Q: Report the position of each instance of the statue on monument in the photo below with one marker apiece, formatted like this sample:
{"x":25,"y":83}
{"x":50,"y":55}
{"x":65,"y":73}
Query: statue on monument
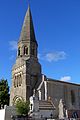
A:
{"x":62,"y":110}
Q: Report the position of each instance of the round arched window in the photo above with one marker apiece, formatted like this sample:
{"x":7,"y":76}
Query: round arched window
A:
{"x":19,"y":51}
{"x":25,"y":50}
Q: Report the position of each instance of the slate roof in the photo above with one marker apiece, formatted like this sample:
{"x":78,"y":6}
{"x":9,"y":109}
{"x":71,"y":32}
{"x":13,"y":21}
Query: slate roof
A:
{"x":27,"y":32}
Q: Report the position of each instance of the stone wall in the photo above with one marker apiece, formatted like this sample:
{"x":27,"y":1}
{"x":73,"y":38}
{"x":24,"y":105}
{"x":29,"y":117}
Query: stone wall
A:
{"x":69,"y":92}
{"x":7,"y":112}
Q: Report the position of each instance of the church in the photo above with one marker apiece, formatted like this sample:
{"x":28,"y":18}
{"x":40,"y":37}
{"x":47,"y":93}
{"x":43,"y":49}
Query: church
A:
{"x":27,"y":75}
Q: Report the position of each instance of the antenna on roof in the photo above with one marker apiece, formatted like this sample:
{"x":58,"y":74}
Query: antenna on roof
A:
{"x":28,"y":2}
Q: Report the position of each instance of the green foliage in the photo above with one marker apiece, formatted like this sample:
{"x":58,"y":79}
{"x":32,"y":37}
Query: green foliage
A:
{"x":22,"y":107}
{"x":4,"y":93}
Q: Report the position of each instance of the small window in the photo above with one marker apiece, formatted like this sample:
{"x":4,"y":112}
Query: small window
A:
{"x":19,"y":51}
{"x":15,"y":81}
{"x":25,"y":50}
{"x":72,"y":97}
{"x":20,"y":80}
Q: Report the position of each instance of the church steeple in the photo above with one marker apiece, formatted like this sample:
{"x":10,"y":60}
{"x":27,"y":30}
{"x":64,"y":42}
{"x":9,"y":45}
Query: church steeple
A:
{"x":27,"y":32}
{"x":26,"y":71}
{"x":27,"y":44}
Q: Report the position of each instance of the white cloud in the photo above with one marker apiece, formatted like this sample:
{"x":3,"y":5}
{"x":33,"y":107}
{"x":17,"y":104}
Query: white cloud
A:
{"x":66,"y":78}
{"x":53,"y":56}
{"x":13,"y":45}
{"x":39,"y":56}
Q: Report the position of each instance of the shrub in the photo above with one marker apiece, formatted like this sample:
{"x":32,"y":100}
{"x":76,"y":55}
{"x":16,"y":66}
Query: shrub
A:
{"x":22,"y":107}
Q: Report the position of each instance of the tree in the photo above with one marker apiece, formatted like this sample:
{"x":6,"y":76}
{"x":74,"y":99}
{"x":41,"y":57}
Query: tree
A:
{"x":22,"y":107}
{"x":4,"y":93}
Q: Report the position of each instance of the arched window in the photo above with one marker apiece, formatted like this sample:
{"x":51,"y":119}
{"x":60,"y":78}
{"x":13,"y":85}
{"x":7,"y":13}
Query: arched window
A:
{"x":25,"y":50}
{"x":20,"y":80}
{"x":19,"y":51}
{"x":15,"y":81}
{"x":72,"y":97}
{"x":17,"y":98}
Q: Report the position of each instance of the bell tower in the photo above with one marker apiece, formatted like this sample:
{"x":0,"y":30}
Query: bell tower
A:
{"x":27,"y":45}
{"x":26,"y":72}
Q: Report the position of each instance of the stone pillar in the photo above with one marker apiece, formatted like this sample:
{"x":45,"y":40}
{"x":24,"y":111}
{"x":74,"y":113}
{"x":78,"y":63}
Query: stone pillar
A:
{"x":39,"y":95}
{"x":45,"y":85}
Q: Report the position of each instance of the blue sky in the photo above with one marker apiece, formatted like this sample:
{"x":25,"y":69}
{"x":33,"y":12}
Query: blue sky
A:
{"x":57,"y":29}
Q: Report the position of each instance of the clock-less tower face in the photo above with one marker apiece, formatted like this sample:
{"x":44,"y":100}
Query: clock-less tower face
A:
{"x":26,"y":72}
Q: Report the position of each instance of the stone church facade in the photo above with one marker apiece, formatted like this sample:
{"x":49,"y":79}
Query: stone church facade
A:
{"x":57,"y":90}
{"x":27,"y":75}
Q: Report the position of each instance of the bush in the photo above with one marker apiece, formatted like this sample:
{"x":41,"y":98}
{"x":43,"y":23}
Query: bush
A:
{"x":4,"y":93}
{"x":22,"y":107}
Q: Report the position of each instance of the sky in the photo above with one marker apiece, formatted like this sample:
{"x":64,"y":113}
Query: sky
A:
{"x":57,"y":29}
